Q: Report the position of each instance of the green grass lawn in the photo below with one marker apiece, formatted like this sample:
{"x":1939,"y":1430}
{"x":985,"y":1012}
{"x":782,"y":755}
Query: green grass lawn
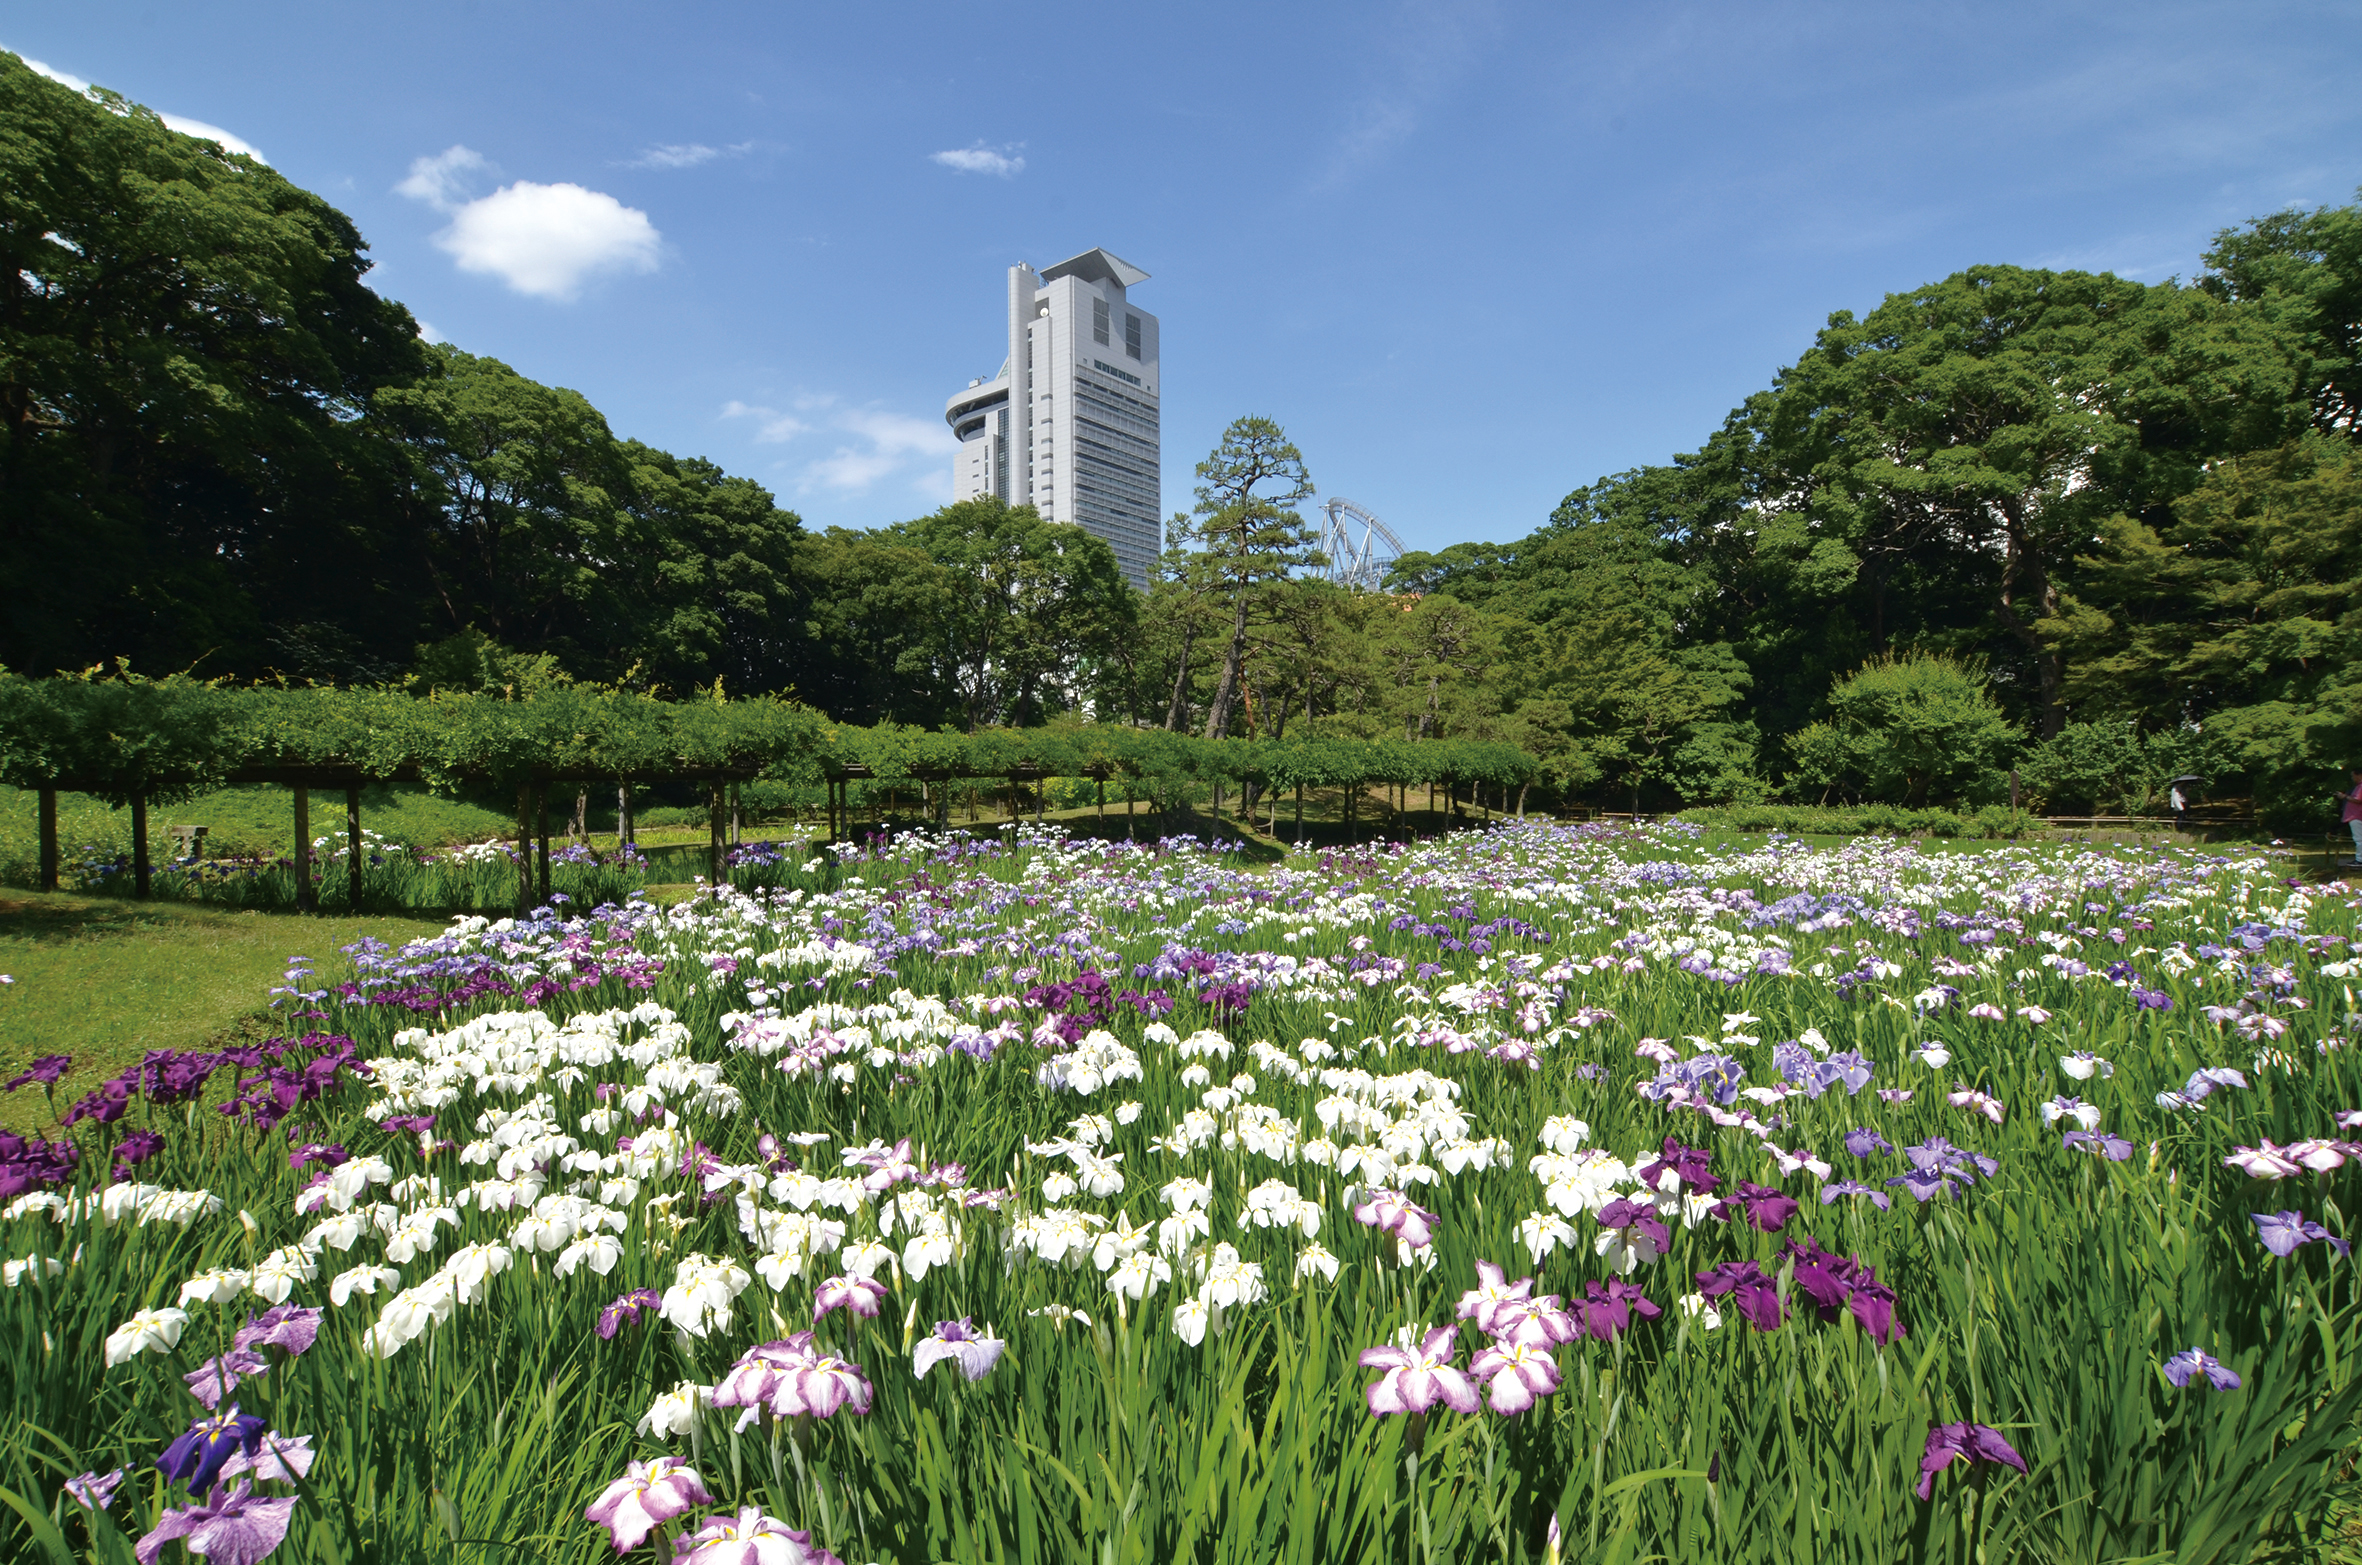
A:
{"x":105,"y":980}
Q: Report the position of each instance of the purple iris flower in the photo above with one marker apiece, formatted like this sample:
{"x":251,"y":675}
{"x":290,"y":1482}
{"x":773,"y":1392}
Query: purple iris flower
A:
{"x":1968,"y":1442}
{"x":2282,"y":1232}
{"x":1752,"y":1292}
{"x":1766,"y":1209}
{"x":2105,"y":1143}
{"x":237,"y":1529}
{"x":134,"y":1150}
{"x":958,"y":1341}
{"x":196,"y":1456}
{"x":1688,"y":1164}
{"x":2151,"y":999}
{"x":1837,"y":1187}
{"x":44,"y":1070}
{"x":1605,"y":1311}
{"x":1641,"y":1217}
{"x":1834,"y":1282}
{"x":627,"y":1307}
{"x":1864,"y":1141}
{"x":2190,"y":1363}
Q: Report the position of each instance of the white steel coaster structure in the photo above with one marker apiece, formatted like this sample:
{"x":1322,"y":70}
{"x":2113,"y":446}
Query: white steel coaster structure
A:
{"x":1360,"y":548}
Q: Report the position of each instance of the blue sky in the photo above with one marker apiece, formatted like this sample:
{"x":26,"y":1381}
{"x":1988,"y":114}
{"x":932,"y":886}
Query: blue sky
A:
{"x":1471,"y":256}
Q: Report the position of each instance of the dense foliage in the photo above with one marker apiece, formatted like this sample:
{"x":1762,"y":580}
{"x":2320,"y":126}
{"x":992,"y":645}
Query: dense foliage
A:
{"x":1547,"y":1193}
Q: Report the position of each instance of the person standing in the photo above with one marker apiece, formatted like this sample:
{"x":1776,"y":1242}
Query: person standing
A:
{"x":2353,"y":816}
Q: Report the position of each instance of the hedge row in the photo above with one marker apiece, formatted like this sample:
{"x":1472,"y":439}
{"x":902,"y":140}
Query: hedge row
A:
{"x":117,"y":737}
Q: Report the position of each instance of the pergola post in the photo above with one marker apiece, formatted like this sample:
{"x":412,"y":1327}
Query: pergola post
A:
{"x":524,"y":849}
{"x":352,"y":846}
{"x":49,"y":839}
{"x":141,"y":879}
{"x":305,"y":901}
{"x":714,"y":831}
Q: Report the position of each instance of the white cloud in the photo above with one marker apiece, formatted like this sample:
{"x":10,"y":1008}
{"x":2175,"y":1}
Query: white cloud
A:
{"x":670,"y":155}
{"x":771,"y":425}
{"x":981,"y":159}
{"x":427,"y":332}
{"x":899,"y":434}
{"x":441,"y":181}
{"x":205,"y":132}
{"x":544,"y":240}
{"x":893,"y":442}
{"x":178,"y":122}
{"x":851,"y":470}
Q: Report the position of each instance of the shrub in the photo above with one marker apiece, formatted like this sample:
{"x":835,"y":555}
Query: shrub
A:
{"x":1905,"y":730}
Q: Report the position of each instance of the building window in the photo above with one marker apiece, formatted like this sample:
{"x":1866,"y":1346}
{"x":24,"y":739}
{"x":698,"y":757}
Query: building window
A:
{"x":1099,"y":322}
{"x":1132,"y":334}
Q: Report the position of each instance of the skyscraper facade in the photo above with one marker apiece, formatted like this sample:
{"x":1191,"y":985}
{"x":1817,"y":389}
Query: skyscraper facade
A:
{"x":1069,"y":425}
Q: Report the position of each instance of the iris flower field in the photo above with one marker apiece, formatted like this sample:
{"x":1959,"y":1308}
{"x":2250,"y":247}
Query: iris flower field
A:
{"x":1544,"y":1193}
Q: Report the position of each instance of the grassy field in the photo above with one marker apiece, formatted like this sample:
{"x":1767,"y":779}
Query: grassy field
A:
{"x":105,"y":980}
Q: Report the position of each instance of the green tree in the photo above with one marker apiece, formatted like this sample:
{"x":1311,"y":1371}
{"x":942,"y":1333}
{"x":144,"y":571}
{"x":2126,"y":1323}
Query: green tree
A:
{"x":520,"y":498}
{"x":1030,"y":606}
{"x":187,"y":356}
{"x":2303,"y":272}
{"x":1996,"y":416}
{"x":1246,"y":532}
{"x":2242,"y":615}
{"x":713,"y":590}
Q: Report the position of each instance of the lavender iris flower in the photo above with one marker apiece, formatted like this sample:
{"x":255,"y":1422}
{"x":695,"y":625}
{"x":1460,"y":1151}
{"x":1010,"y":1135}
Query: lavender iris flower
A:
{"x":2104,"y":1143}
{"x":237,"y":1529}
{"x":794,"y":1379}
{"x":1835,"y":1188}
{"x":2190,"y":1363}
{"x":2282,"y":1232}
{"x":1416,"y":1379}
{"x":1515,"y":1374}
{"x":958,"y":1341}
{"x":1847,"y":1068}
{"x":1392,"y":1212}
{"x":1863,"y":1142}
{"x":216,"y":1378}
{"x":96,"y":1491}
{"x":648,"y":1495}
{"x":1968,"y":1442}
{"x":197,"y":1456}
{"x":857,"y":1294}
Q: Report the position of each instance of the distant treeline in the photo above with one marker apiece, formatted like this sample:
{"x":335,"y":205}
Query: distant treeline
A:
{"x":2097,"y":531}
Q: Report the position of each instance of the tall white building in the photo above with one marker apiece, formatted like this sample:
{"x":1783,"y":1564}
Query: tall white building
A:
{"x":1069,"y":425}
